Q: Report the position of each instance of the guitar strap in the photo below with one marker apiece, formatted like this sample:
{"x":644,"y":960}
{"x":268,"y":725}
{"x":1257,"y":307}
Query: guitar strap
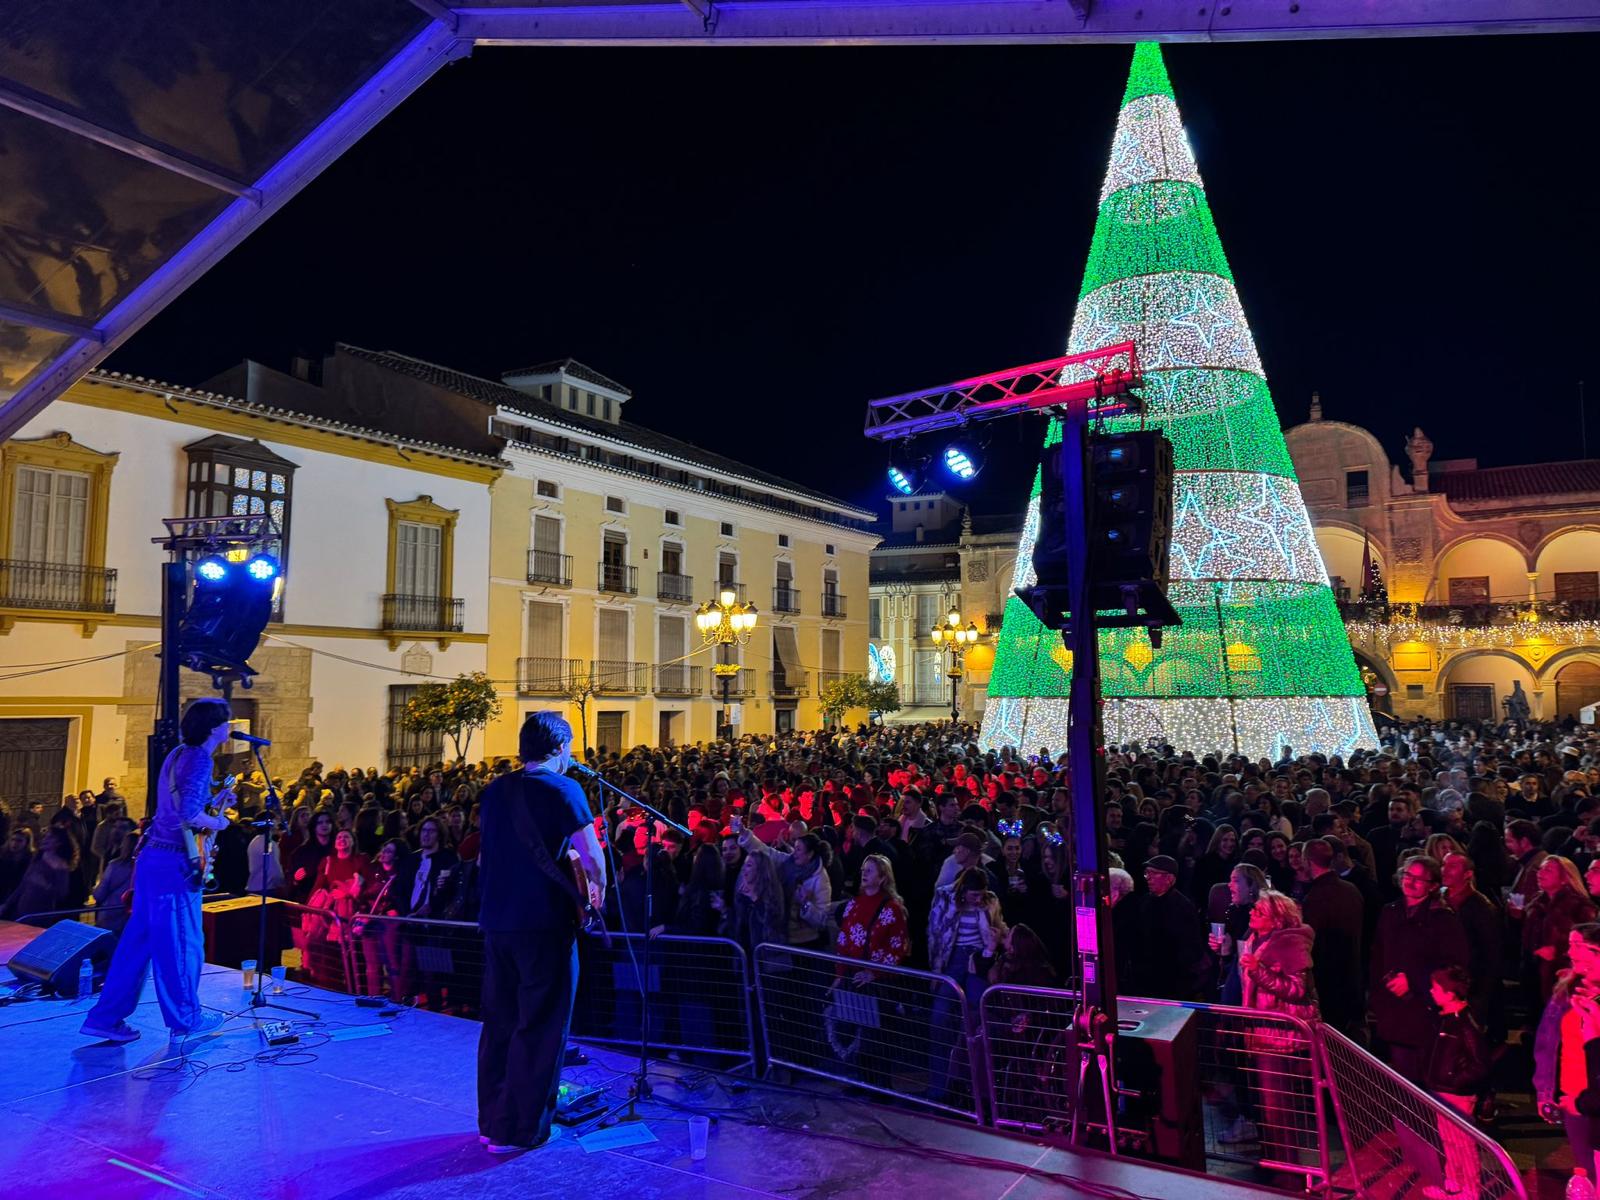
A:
{"x":534,"y":844}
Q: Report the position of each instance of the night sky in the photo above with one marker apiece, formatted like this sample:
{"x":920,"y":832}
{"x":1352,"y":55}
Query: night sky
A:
{"x":758,"y":241}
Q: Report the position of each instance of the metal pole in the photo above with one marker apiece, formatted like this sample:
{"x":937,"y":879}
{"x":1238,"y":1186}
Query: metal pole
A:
{"x":164,"y":733}
{"x":1097,"y":1018}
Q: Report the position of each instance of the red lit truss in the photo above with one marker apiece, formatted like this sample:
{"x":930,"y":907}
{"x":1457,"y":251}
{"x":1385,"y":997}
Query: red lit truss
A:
{"x":1095,"y":378}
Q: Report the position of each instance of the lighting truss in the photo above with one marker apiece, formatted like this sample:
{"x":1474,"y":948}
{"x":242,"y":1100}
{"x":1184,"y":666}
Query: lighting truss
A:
{"x":1097,"y":376}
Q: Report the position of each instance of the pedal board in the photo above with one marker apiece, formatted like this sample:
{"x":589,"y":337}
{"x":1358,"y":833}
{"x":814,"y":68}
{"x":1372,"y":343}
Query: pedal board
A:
{"x":576,"y":1103}
{"x":278,"y":1033}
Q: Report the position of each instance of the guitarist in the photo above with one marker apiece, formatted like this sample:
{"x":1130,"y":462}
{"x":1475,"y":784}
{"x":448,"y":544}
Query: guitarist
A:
{"x":528,"y":912}
{"x":164,"y":931}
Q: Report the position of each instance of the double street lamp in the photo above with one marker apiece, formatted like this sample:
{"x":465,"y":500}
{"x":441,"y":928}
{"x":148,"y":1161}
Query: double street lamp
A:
{"x":957,"y":639}
{"x":727,"y":622}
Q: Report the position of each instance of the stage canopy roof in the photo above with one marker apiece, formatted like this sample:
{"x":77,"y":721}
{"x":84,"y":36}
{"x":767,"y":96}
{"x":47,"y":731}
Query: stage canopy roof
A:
{"x":140,"y":140}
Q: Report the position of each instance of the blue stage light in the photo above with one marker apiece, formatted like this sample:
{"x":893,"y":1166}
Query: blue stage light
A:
{"x":961,"y":460}
{"x":263,"y":568}
{"x":903,"y":480}
{"x":212,"y":570}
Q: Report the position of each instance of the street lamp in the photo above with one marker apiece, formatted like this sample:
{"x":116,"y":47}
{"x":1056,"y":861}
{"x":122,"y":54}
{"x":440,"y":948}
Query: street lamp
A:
{"x":728,"y":623}
{"x":952,"y":635}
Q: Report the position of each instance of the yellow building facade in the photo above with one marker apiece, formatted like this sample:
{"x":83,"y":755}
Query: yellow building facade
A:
{"x":1492,"y":575}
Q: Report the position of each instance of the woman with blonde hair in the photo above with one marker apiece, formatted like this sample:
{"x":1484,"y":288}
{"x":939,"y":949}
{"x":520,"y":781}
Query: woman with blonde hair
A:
{"x":1562,"y":903}
{"x":1441,"y":846}
{"x":1276,"y":973}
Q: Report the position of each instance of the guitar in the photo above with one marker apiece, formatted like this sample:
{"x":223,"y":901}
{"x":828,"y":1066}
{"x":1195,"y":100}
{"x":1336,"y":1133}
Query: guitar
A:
{"x":198,"y":841}
{"x":589,"y":918}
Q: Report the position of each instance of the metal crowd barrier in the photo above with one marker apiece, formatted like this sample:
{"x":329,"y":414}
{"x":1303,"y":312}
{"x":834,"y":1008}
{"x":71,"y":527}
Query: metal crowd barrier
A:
{"x":1259,"y":1093}
{"x":904,"y":1033}
{"x":699,"y":989}
{"x":430,"y":963}
{"x":1399,"y":1140}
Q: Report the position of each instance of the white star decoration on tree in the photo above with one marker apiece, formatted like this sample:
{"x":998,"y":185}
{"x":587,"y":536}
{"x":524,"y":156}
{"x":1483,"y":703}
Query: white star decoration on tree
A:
{"x":1205,"y":320}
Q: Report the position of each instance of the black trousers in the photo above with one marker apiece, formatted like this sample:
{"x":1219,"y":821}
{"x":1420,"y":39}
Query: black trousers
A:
{"x":529,"y":980}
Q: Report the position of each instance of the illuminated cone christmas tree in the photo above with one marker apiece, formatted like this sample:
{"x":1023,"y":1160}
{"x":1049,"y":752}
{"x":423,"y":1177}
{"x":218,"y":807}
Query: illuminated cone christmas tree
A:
{"x":1261,"y":660}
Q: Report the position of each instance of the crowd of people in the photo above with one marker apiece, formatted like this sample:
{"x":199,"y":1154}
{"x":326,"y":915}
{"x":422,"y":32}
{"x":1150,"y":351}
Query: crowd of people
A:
{"x":1435,"y":899}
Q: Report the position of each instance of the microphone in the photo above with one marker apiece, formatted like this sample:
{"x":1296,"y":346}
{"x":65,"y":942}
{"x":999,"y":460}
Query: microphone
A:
{"x":250,"y":738}
{"x":581,"y":768}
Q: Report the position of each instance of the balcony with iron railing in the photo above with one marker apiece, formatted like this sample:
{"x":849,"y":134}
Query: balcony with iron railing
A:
{"x":738,"y":590}
{"x":925,"y":693}
{"x":824,"y":678}
{"x":1483,"y":613}
{"x":548,"y":567}
{"x":618,"y":578}
{"x":615,"y":678}
{"x":832,"y":604}
{"x":546,"y":676}
{"x":785,"y":599}
{"x":789,"y":683}
{"x":423,"y":614}
{"x":57,"y":587}
{"x":740,"y":686}
{"x":679,"y":679}
{"x":674,"y":588}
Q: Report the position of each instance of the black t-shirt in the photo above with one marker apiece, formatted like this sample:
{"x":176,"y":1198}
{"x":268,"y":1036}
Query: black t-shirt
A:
{"x":516,"y":894}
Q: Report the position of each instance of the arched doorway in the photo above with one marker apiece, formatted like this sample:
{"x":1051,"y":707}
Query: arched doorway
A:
{"x":1577,"y":685}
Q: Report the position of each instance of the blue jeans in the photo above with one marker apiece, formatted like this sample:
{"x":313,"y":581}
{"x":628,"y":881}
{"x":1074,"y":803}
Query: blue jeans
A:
{"x":164,"y":934}
{"x":945,"y":1028}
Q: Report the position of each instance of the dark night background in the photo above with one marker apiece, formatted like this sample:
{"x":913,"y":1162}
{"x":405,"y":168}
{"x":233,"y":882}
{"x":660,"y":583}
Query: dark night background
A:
{"x":758,"y":241}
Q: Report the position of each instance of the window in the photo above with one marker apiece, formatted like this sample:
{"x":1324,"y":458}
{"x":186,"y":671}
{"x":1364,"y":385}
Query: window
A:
{"x":828,"y":549}
{"x":549,"y":489}
{"x":727,"y":529}
{"x":590,"y":397}
{"x":546,"y":626}
{"x":50,"y":516}
{"x":875,"y":617}
{"x":234,"y":477}
{"x":930,"y":611}
{"x":902,"y":506}
{"x":830,"y":651}
{"x":605,"y":407}
{"x":1578,"y":586}
{"x":672,"y":558}
{"x":417,"y":558}
{"x":546,"y":391}
{"x":1472,"y":589}
{"x":1355,"y":489}
{"x":616,"y":504}
{"x":916,"y":505}
{"x":783,"y":540}
{"x":672,"y":518}
{"x":727,"y":569}
{"x":612,"y":665}
{"x":421,"y":564}
{"x":406,"y":747}
{"x":927,"y":687}
{"x":614,"y":548}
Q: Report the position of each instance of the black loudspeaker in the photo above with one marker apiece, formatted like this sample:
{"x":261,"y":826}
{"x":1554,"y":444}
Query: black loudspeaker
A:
{"x":56,"y":955}
{"x":1158,"y":1056}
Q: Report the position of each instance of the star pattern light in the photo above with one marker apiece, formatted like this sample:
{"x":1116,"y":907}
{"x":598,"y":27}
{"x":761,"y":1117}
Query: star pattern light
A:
{"x":1262,"y":653}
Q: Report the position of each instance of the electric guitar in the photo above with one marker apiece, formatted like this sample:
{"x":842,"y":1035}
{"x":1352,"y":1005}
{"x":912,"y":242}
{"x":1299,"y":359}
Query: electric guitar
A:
{"x":590,"y":920}
{"x":198,"y":841}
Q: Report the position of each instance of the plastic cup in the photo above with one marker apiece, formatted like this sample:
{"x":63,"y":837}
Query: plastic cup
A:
{"x":699,"y":1131}
{"x":247,"y":972}
{"x":1216,"y":930}
{"x":279,"y":975}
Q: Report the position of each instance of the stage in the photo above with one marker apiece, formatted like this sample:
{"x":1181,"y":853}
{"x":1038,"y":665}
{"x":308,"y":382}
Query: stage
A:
{"x":371,"y":1107}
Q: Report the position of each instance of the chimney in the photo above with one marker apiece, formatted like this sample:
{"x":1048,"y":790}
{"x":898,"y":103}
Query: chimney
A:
{"x":1316,"y":406}
{"x":1419,"y":449}
{"x":301,"y":367}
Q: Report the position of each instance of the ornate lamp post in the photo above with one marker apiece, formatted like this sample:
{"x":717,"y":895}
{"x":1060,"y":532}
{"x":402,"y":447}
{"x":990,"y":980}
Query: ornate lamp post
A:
{"x":951,"y":635}
{"x":726,"y":623}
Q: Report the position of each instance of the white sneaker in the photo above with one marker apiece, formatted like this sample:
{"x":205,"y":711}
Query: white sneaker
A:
{"x":209,"y":1022}
{"x":120,"y":1032}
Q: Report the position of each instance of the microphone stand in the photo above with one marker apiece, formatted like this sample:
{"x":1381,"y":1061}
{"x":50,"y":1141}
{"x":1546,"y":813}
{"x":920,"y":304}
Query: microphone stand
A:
{"x":641,"y":1082}
{"x":269,"y":829}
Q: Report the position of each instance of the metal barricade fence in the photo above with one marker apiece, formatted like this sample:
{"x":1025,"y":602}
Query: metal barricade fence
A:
{"x":432,"y":963}
{"x":1257,"y":1087}
{"x":1399,"y":1140}
{"x":699,"y":991}
{"x":904,"y":1033}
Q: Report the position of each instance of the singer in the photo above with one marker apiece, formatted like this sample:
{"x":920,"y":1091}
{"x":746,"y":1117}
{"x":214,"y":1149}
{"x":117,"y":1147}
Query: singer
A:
{"x":528,"y":914}
{"x":165,"y":933}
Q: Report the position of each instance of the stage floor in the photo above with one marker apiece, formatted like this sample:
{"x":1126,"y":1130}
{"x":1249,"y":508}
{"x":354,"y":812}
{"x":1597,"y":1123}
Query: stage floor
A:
{"x":372,"y":1108}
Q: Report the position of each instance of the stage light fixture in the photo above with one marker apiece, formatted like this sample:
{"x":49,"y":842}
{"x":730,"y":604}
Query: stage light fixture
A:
{"x":212,"y":569}
{"x":903,"y":480}
{"x":263,"y":568}
{"x":962,"y":460}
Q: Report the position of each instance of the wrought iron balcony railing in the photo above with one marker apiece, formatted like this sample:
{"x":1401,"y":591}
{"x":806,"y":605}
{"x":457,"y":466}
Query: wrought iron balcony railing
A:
{"x":58,"y":587}
{"x":1489,"y":612}
{"x":679,"y":679}
{"x":785,"y":599}
{"x":740,"y":686}
{"x":546,"y":566}
{"x":423,"y":614}
{"x":832,"y":604}
{"x":790,"y":683}
{"x":619,"y":578}
{"x":614,"y":678}
{"x":677,"y":589}
{"x":546,"y":676}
